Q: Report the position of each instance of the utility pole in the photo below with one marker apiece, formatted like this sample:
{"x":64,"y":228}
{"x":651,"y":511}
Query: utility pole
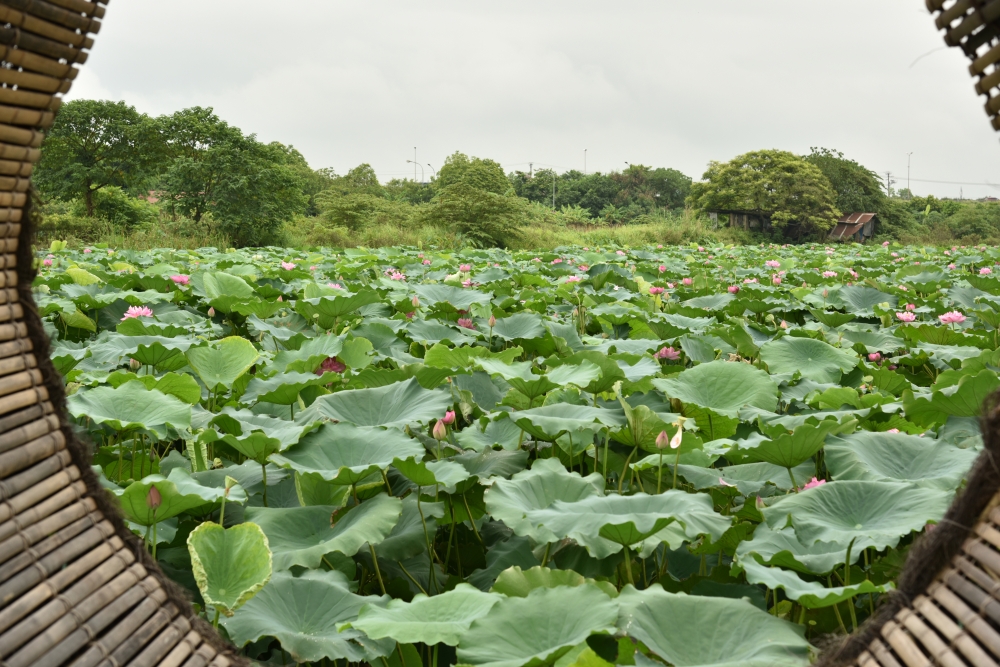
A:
{"x":584,"y":161}
{"x":414,"y":164}
{"x":888,"y":183}
{"x":553,"y":188}
{"x":909,"y":192}
{"x":531,"y":170}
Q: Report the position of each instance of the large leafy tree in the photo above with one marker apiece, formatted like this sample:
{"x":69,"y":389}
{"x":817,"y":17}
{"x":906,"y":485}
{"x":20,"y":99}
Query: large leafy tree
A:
{"x":484,"y":218}
{"x":793,"y":192}
{"x":248,"y":187}
{"x":478,"y":173}
{"x":95,"y":145}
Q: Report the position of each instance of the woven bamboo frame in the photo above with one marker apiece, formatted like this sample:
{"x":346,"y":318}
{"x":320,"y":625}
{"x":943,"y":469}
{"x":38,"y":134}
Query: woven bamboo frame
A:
{"x":76,"y":587}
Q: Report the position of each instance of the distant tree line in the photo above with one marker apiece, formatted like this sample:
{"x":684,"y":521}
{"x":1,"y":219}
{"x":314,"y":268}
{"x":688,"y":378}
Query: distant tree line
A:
{"x":107,"y":160}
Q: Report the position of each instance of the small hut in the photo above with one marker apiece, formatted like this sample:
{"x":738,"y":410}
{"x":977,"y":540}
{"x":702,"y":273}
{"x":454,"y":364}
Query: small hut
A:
{"x":756,"y":220}
{"x":857,"y":227}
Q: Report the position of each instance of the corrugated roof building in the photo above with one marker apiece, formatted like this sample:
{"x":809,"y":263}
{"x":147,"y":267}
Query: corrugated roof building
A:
{"x":855,"y":227}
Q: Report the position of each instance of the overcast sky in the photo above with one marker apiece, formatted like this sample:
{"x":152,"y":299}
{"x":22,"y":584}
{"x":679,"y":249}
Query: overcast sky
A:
{"x":656,"y":82}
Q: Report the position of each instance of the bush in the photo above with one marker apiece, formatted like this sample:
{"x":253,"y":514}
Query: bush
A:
{"x":121,"y":211}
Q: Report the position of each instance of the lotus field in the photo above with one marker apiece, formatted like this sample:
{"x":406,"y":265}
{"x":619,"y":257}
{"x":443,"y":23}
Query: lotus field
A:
{"x":681,"y":456}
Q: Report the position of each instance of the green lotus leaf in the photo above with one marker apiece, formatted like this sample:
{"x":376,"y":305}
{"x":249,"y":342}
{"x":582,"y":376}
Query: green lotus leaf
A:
{"x":791,"y":449}
{"x":964,"y":399}
{"x":303,"y":614}
{"x":519,"y":376}
{"x":519,"y":325}
{"x":809,"y":594}
{"x":490,"y":463}
{"x":748,"y":478}
{"x":230,"y":565}
{"x":898,"y":457}
{"x":130,"y":407}
{"x":347,"y":454}
{"x":328,"y":310}
{"x":397,"y":404}
{"x":812,"y":358}
{"x":408,"y":537}
{"x":441,"y":619}
{"x":783,"y":549}
{"x":604,"y":524}
{"x":499,"y":432}
{"x":309,"y":356}
{"x":874,"y":513}
{"x":550,"y":421}
{"x":536,"y":630}
{"x":546,"y":482}
{"x":611,"y":372}
{"x":179,"y":492}
{"x":220,"y":363}
{"x":722,"y":387}
{"x":862,"y":300}
{"x":283,"y":388}
{"x":831,"y":319}
{"x":180,"y":386}
{"x":256,"y":436}
{"x":445,"y":473}
{"x":442,"y":356}
{"x":303,"y":535}
{"x":459,"y":298}
{"x":698,"y":631}
{"x":515,"y":582}
{"x":429,"y":332}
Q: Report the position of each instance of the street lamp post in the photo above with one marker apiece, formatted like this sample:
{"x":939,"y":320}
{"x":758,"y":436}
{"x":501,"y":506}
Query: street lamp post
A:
{"x":433,"y":173}
{"x":908,"y":190}
{"x":415,"y":165}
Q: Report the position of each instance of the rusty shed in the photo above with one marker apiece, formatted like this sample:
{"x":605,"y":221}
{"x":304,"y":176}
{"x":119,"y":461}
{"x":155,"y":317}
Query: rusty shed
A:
{"x":855,"y":227}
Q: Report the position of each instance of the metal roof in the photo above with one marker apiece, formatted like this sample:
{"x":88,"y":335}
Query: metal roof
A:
{"x":850,"y":225}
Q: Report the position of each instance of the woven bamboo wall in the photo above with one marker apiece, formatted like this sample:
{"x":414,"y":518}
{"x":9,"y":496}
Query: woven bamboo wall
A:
{"x":76,"y":588}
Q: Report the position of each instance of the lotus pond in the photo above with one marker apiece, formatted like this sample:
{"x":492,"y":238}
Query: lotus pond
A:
{"x":681,"y":456}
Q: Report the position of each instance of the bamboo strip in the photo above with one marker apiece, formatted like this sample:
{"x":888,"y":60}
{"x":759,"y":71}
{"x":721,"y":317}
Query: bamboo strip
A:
{"x":148,"y":611}
{"x":164,"y":642}
{"x":41,"y":481}
{"x":18,"y":552}
{"x":965,"y":615}
{"x":977,"y":576}
{"x":903,"y":645}
{"x":221,"y":661}
{"x":952,"y":632}
{"x":883,"y":653}
{"x":20,"y":136}
{"x":33,"y":62}
{"x":71,"y":494}
{"x":24,"y":98}
{"x":13,"y":311}
{"x":21,"y":400}
{"x":11,"y":215}
{"x":182,"y":651}
{"x":946,"y":17}
{"x":10,"y":167}
{"x":31,"y":453}
{"x":19,"y":428}
{"x":201,"y":657}
{"x":32,"y":118}
{"x":973,"y":595}
{"x":60,"y":618}
{"x":940,"y":652}
{"x":55,"y":571}
{"x":49,"y":12}
{"x":137,"y":639}
{"x":988,"y":532}
{"x":20,"y":153}
{"x":20,"y":381}
{"x":934,"y":5}
{"x":9,"y":279}
{"x":36,"y":82}
{"x":866,"y":660}
{"x":15,"y":364}
{"x":148,"y":597}
{"x":26,"y":41}
{"x":984,"y":85}
{"x":43,"y":28}
{"x":82,"y":6}
{"x":954,"y":36}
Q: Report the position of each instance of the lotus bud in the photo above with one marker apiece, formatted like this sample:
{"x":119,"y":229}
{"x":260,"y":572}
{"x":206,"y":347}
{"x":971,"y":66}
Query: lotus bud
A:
{"x":280,"y":299}
{"x":153,"y":498}
{"x":662,"y":440}
{"x":230,"y":483}
{"x":134,"y":364}
{"x":439,"y":432}
{"x":826,"y":293}
{"x":211,"y":312}
{"x":675,"y":441}
{"x":449,"y":417}
{"x":874,"y":356}
{"x":415,"y":301}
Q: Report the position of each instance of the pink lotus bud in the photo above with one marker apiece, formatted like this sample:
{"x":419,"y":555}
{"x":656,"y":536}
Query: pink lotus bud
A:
{"x":87,"y":251}
{"x":47,"y":262}
{"x":440,"y":432}
{"x":280,"y":299}
{"x":687,"y":281}
{"x":465,"y":323}
{"x":893,"y":430}
{"x":662,"y":440}
{"x":675,"y":441}
{"x":134,"y":364}
{"x":153,"y":498}
{"x":813,"y":483}
{"x":449,"y":417}
{"x":662,"y":268}
{"x":211,"y":312}
{"x":874,"y":356}
{"x":656,"y":291}
{"x":492,"y":321}
{"x":784,"y":324}
{"x":826,"y":293}
{"x":734,"y":289}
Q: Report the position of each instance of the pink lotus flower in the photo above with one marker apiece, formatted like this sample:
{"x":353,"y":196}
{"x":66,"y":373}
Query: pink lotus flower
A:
{"x":87,"y":251}
{"x":658,"y":247}
{"x":906,"y":317}
{"x":885,"y":244}
{"x":904,"y":288}
{"x":747,"y":281}
{"x":410,"y":314}
{"x":287,"y":266}
{"x":620,"y":253}
{"x":894,"y":254}
{"x":700,"y":249}
{"x":772,"y":264}
{"x":893,"y":430}
{"x":449,"y":417}
{"x":947,"y":252}
{"x":465,"y":323}
{"x":427,"y":262}
{"x":854,"y":274}
{"x":312,"y":268}
{"x":675,"y":441}
{"x":812,"y":484}
{"x":465,"y":267}
{"x":829,"y":274}
{"x":467,"y":283}
{"x":985,"y":271}
{"x":874,"y":356}
{"x":953,"y":317}
{"x":137,"y":311}
{"x":910,"y":306}
{"x":557,"y":260}
{"x":334,"y":285}
{"x":573,"y":279}
{"x":536,"y":259}
{"x":47,"y":262}
{"x":687,"y":281}
{"x":655,"y":290}
{"x":397,"y":276}
{"x":784,"y":324}
{"x":734,"y":289}
{"x":583,"y":267}
{"x":331,"y":365}
{"x":420,"y":255}
{"x":181,"y":279}
{"x":951,"y":266}
{"x":776,"y":280}
{"x":662,"y":268}
{"x":668,"y":353}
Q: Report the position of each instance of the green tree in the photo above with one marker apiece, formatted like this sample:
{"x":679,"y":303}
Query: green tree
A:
{"x":314,"y":181}
{"x":478,"y":173}
{"x":793,"y":192}
{"x":360,"y":180}
{"x":248,"y":187}
{"x":483,"y":217}
{"x":858,"y":188}
{"x":95,"y":145}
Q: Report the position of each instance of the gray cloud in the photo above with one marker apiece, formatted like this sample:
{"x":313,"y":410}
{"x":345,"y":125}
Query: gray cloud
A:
{"x":645,"y":81}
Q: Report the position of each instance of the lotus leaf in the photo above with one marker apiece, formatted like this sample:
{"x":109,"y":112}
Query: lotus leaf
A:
{"x":230,"y":564}
{"x":397,"y":404}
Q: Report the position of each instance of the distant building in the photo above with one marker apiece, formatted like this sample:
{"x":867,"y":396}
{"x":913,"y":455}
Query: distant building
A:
{"x":756,"y":220}
{"x":857,"y":227}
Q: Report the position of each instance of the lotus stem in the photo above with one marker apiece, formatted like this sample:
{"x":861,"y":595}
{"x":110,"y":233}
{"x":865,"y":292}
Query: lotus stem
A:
{"x":411,"y":578}
{"x":621,"y":478}
{"x":795,"y":486}
{"x":836,"y":608}
{"x":628,"y":565}
{"x":548,"y":550}
{"x":215,"y":621}
{"x":659,"y":476}
{"x":677,"y":462}
{"x":154,"y":534}
{"x":263,"y":469}
{"x":475,"y":531}
{"x":427,"y":540}
{"x":222,"y":512}
{"x":378,"y":573}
